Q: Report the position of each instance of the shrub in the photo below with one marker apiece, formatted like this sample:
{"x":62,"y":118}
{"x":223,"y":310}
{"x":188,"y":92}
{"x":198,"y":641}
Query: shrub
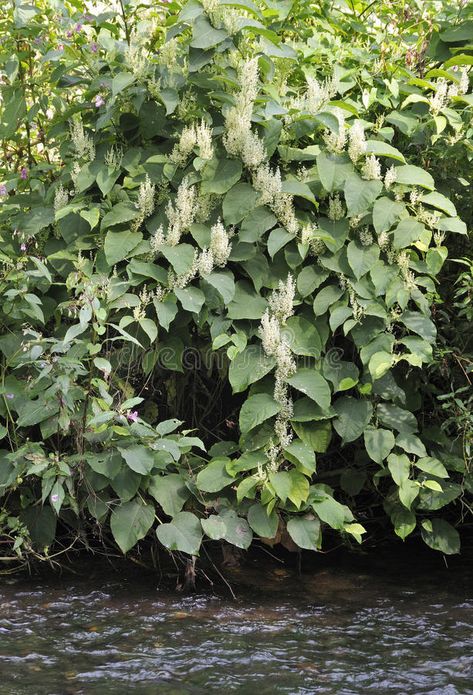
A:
{"x":208,"y":231}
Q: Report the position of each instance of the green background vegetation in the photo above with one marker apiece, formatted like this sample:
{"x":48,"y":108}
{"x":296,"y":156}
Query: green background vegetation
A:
{"x":236,"y":274}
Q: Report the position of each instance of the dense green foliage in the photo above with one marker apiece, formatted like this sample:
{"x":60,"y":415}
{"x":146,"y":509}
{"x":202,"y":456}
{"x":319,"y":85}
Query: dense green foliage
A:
{"x":227,"y":309}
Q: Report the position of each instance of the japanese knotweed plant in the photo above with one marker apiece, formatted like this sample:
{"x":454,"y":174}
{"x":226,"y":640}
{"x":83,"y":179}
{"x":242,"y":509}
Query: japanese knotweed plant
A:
{"x":202,"y":191}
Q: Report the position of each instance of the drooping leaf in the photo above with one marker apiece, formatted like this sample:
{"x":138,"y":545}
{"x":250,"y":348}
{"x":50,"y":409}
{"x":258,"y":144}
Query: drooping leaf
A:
{"x":360,"y":194}
{"x":439,"y":535}
{"x":305,"y":532}
{"x":130,"y":522}
{"x":183,"y":533}
{"x":214,"y":476}
{"x":379,"y":443}
{"x":256,"y":409}
{"x":263,"y":524}
{"x":312,"y":384}
{"x":170,"y":492}
{"x":118,"y":245}
{"x":353,"y":417}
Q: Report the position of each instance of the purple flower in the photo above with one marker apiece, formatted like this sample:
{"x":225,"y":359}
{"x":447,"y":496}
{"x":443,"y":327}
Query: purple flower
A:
{"x":10,"y":396}
{"x":94,"y":47}
{"x":99,"y":101}
{"x":3,"y":189}
{"x":78,"y":26}
{"x":132,"y":415}
{"x":68,"y":34}
{"x":23,"y":247}
{"x":24,"y":173}
{"x":54,"y":498}
{"x":60,"y":47}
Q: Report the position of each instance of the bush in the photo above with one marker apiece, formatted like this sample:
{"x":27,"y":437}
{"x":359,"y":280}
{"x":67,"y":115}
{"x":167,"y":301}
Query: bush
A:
{"x":212,"y":220}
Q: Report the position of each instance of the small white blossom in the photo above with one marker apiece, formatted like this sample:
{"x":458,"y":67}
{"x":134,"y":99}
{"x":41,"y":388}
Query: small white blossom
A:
{"x":220,"y":245}
{"x":61,"y":198}
{"x":253,"y":151}
{"x":371,"y":169}
{"x":168,"y":53}
{"x":285,"y":363}
{"x":113,"y":157}
{"x":464,"y":82}
{"x":137,"y":60}
{"x":204,"y":140}
{"x":453,"y":91}
{"x":414,"y":196}
{"x":308,"y":233}
{"x":336,"y":209}
{"x":357,"y":142}
{"x":390,"y":177}
{"x":358,"y":311}
{"x":184,"y":147}
{"x":206,"y":262}
{"x":270,"y":333}
{"x":157,"y":240}
{"x":281,"y":300}
{"x":383,"y":241}
{"x":146,"y":194}
{"x":268,"y":183}
{"x":181,"y":215}
{"x":440,"y":98}
{"x":82,"y":143}
{"x":366,"y":237}
{"x":239,"y":140}
{"x":317,"y":96}
{"x":317,"y":247}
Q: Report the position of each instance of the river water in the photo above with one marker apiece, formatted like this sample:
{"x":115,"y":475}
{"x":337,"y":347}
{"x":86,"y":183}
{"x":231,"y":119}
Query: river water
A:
{"x":326,"y":631}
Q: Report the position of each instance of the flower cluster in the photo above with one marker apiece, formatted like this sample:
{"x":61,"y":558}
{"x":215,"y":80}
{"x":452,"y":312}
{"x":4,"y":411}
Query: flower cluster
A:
{"x":268,"y":183}
{"x":281,"y":302}
{"x":318,"y":94}
{"x":357,"y":142}
{"x":239,"y":139}
{"x":137,"y":60}
{"x":168,"y":53}
{"x":218,"y":252}
{"x":366,"y":237}
{"x":195,"y":135}
{"x":371,"y":169}
{"x":275,"y":344}
{"x":61,"y":198}
{"x":146,"y":201}
{"x":181,"y":215}
{"x":407,"y":274}
{"x":113,"y":157}
{"x":82,"y":143}
{"x":390,"y":177}
{"x":358,"y":311}
{"x":336,"y":209}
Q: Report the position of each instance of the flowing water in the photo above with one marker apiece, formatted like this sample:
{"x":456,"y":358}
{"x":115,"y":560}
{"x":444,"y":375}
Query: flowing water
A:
{"x":326,"y":631}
